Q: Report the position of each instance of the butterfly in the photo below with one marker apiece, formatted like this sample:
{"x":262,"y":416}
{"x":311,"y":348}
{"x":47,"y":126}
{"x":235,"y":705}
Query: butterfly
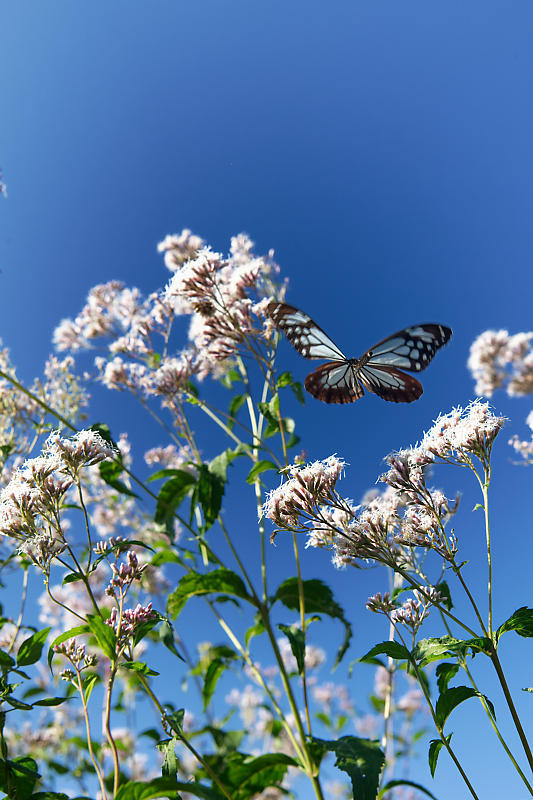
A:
{"x":341,"y":380}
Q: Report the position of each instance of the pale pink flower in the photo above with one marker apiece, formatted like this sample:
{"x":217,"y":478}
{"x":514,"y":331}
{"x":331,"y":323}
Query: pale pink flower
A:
{"x":179,"y":248}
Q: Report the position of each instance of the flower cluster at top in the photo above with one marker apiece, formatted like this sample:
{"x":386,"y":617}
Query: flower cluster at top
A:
{"x":496,"y":358}
{"x":224,"y":296}
{"x":406,"y":515}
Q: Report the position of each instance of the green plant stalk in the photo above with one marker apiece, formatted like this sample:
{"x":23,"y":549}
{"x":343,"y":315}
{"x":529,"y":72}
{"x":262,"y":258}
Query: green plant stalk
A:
{"x":437,"y":726}
{"x":214,"y":777}
{"x":464,"y":665}
{"x":89,"y":741}
{"x":235,"y":641}
{"x":516,"y":719}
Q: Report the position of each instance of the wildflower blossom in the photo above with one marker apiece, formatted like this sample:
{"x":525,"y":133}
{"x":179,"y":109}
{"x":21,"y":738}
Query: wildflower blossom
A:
{"x":179,"y":248}
{"x":496,"y":357}
{"x":307,"y":488}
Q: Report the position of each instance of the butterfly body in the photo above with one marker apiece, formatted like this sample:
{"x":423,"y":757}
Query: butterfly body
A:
{"x":341,"y":379}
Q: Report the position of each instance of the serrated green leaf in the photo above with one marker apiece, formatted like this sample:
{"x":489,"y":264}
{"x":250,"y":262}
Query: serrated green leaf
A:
{"x":361,"y":759}
{"x":169,"y":767}
{"x":445,"y":672}
{"x":257,"y":469}
{"x":209,"y":493}
{"x":30,"y":650}
{"x":110,"y":472}
{"x":319,"y":599}
{"x":296,"y":638}
{"x":451,"y":698}
{"x":219,"y":581}
{"x":435,"y":747}
{"x":520,"y":621}
{"x":170,"y":496}
{"x":428,"y":650}
{"x":389,"y":648}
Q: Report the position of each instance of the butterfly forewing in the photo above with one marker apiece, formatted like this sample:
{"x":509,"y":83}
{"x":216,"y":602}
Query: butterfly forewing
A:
{"x":412,"y":348}
{"x":306,"y":336}
{"x":334,"y":382}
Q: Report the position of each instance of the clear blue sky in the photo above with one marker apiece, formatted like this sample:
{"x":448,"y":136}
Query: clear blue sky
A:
{"x":382,"y":149}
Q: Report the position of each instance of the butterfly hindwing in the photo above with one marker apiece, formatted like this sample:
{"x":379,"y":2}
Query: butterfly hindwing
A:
{"x":334,"y":382}
{"x":411,"y":348}
{"x":304,"y":334}
{"x":390,"y":383}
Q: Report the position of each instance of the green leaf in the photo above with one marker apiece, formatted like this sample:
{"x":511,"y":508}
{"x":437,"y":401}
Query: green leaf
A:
{"x":6,"y":661}
{"x":435,"y":747}
{"x":528,"y":689}
{"x":166,"y":635}
{"x":296,"y":638}
{"x":520,"y":621}
{"x":63,"y":637}
{"x":428,"y":650}
{"x":169,"y":767}
{"x":362,"y":759}
{"x":258,"y":468}
{"x":162,"y":787}
{"x":255,"y":630}
{"x":451,"y":698}
{"x":255,"y":773}
{"x":235,"y":404}
{"x":30,"y":650}
{"x":286,"y":379}
{"x":170,"y":496}
{"x":138,"y":666}
{"x":209,"y":492}
{"x":89,"y":682}
{"x":18,"y":777}
{"x":319,"y":599}
{"x":229,"y":377}
{"x":444,"y":590}
{"x":222,"y":657}
{"x":392,"y":784}
{"x":110,"y":472}
{"x":389,"y":648}
{"x":445,"y":672}
{"x":104,"y":635}
{"x":219,"y":465}
{"x":51,"y":701}
{"x":218,"y":581}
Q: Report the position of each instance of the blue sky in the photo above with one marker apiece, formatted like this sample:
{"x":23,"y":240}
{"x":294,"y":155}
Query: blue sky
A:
{"x":382,"y":149}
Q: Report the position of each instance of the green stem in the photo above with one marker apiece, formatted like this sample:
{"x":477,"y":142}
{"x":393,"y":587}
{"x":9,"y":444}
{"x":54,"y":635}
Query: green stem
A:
{"x":516,"y":719}
{"x":440,"y":731}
